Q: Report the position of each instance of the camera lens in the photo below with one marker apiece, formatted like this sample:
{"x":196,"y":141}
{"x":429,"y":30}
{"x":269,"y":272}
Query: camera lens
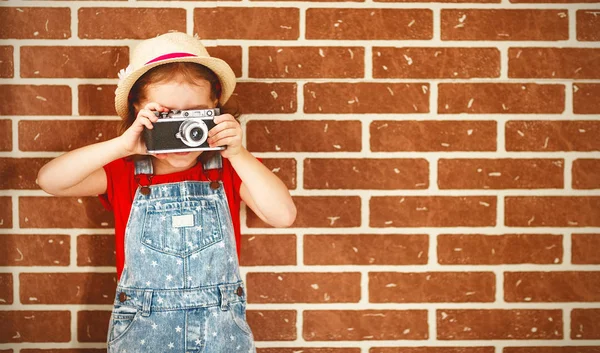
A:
{"x":193,"y":132}
{"x":196,"y":134}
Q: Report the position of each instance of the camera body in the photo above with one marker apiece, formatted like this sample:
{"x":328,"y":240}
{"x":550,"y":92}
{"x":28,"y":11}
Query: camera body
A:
{"x":181,"y":131}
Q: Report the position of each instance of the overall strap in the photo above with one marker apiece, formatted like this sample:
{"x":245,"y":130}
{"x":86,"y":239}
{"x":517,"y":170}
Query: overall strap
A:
{"x":143,"y":174}
{"x":143,"y":166}
{"x":215,"y":162}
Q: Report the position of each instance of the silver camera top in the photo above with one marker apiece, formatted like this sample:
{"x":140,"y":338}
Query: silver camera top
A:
{"x":192,"y":113}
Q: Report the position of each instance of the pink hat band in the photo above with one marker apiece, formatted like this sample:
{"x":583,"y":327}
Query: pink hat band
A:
{"x":169,"y":56}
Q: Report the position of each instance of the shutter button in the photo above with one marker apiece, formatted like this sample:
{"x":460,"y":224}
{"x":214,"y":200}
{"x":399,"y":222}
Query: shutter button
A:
{"x":122,"y":297}
{"x":240,"y":291}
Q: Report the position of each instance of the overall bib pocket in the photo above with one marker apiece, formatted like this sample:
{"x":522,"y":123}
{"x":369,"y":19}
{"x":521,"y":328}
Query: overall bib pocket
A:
{"x":121,"y":321}
{"x":182,"y":228}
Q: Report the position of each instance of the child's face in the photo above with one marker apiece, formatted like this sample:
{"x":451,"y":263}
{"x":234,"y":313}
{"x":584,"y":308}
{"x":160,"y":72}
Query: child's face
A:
{"x":179,"y":94}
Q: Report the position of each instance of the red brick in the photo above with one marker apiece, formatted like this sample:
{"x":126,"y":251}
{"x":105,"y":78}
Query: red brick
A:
{"x":504,"y":25}
{"x":366,"y":97}
{"x":268,"y":250}
{"x":431,"y":287}
{"x":64,"y":135}
{"x":272,"y":325}
{"x":586,"y":98}
{"x":500,"y":173}
{"x":292,"y":287}
{"x":34,"y":250}
{"x":35,"y":100}
{"x":585,"y":324}
{"x":586,"y":174}
{"x":364,"y":325}
{"x":367,"y":24}
{"x":116,"y":23}
{"x":6,"y":212}
{"x":65,"y":350}
{"x":35,"y":23}
{"x":550,"y":136}
{"x":92,"y":325}
{"x":266,"y":98}
{"x":308,"y":349}
{"x":35,"y":326}
{"x":588,"y":24}
{"x":548,"y":349}
{"x":432,"y":350}
{"x":432,"y":211}
{"x":413,"y":62}
{"x":5,"y":134}
{"x":232,"y":56}
{"x":6,"y":288}
{"x":63,"y":212}
{"x":430,"y":136}
{"x":20,"y":173}
{"x":483,"y":249}
{"x":320,"y":212}
{"x":558,"y":286}
{"x":494,"y":324}
{"x":501,"y":98}
{"x":574,"y":63}
{"x":267,"y":23}
{"x":306,"y":62}
{"x":6,"y":62}
{"x":96,"y":250}
{"x":67,"y":288}
{"x":96,"y":99}
{"x":283,"y":136}
{"x":366,"y":249}
{"x":284,"y":168}
{"x":552,"y":211}
{"x":354,"y":173}
{"x":584,"y":248}
{"x":67,"y":62}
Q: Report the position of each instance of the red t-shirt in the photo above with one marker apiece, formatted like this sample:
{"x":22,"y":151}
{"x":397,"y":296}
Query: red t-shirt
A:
{"x":121,"y":187}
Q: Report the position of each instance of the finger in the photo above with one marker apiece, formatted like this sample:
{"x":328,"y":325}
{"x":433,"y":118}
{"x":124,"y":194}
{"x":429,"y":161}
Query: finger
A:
{"x":143,"y":119}
{"x":220,"y":127}
{"x":225,"y":117}
{"x":223,"y":134}
{"x":223,"y":142}
{"x":155,"y":106}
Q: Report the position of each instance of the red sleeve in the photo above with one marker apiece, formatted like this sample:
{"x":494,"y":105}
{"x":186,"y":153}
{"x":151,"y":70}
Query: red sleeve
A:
{"x":111,"y":172}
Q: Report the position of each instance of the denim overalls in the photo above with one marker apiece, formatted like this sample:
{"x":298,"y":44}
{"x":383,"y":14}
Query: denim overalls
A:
{"x":180,"y":289}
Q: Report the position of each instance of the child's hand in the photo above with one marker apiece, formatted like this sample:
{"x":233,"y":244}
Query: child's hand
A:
{"x":132,"y":137}
{"x":227,"y":132}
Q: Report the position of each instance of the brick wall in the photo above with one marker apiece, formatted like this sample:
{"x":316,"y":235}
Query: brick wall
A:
{"x":443,"y":158}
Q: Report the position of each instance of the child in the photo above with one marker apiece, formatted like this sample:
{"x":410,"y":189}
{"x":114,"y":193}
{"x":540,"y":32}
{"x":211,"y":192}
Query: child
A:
{"x":180,"y":288}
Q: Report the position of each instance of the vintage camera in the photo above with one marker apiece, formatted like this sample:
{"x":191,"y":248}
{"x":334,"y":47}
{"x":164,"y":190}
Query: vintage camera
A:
{"x":181,"y":131}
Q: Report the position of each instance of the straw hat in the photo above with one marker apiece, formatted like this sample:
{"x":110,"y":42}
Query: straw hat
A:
{"x":164,"y":49}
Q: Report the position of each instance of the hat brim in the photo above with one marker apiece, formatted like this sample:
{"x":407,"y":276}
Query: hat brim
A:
{"x":219,"y":67}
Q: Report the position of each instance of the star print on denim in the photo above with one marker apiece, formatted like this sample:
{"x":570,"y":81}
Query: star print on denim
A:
{"x":177,"y":283}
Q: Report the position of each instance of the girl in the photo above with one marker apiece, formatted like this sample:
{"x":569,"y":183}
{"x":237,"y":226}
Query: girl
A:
{"x":180,"y":288}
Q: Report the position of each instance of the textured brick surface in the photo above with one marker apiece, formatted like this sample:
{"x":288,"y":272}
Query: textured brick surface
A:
{"x":367,"y":325}
{"x":498,"y":324}
{"x":304,"y":287}
{"x":429,"y":136}
{"x":504,"y":25}
{"x":435,"y":62}
{"x":365,"y":249}
{"x":481,"y":249}
{"x":442,"y":156}
{"x":501,"y":98}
